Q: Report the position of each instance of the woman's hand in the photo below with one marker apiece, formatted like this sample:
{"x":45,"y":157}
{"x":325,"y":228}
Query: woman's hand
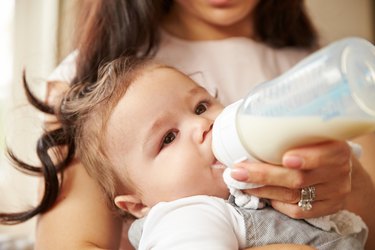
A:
{"x":325,"y":166}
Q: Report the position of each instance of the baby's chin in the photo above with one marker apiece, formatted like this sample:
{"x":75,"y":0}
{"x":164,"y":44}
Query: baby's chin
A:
{"x":217,"y":171}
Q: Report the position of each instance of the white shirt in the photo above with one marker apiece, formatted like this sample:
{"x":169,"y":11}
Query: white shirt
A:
{"x":206,"y":222}
{"x":198,"y":222}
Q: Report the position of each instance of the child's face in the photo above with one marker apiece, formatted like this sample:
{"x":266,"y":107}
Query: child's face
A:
{"x":159,"y":135}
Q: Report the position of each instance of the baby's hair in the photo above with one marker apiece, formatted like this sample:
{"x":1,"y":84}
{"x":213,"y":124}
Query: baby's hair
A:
{"x":91,"y":110}
{"x":83,"y":113}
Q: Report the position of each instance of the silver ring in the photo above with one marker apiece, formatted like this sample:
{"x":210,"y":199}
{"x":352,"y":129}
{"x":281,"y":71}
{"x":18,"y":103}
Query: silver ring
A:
{"x":307,"y":197}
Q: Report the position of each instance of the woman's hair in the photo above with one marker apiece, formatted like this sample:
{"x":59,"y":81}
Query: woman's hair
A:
{"x":112,"y":29}
{"x":284,"y":24}
{"x":83,"y":113}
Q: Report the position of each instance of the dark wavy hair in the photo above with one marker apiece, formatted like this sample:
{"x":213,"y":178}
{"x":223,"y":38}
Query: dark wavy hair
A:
{"x":82,"y":113}
{"x":110,"y":29}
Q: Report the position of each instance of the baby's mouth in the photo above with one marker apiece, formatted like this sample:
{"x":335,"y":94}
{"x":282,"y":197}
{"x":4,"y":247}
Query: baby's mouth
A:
{"x":218,"y":165}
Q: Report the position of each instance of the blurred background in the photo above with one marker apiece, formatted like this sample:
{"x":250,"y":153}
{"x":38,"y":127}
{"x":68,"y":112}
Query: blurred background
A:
{"x":38,"y":34}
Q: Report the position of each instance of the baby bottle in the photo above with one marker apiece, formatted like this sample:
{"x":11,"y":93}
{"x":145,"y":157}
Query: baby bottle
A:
{"x":330,"y":95}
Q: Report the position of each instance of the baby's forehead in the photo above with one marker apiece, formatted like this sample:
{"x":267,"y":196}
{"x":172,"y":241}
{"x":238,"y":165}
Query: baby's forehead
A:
{"x":197,"y":78}
{"x":160,"y":79}
{"x":156,"y":66}
{"x":153,"y":72}
{"x":162,"y":84}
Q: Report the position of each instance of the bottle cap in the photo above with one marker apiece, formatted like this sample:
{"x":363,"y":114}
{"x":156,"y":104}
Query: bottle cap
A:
{"x":226,"y":144}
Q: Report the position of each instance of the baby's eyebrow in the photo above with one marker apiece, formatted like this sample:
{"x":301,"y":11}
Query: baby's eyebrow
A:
{"x":196,"y":90}
{"x":152,"y":130}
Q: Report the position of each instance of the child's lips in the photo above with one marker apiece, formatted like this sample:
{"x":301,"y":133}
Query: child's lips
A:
{"x":218,"y":165}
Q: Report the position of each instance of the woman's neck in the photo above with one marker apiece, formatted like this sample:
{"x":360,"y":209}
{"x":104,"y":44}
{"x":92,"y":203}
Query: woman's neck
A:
{"x":194,"y":29}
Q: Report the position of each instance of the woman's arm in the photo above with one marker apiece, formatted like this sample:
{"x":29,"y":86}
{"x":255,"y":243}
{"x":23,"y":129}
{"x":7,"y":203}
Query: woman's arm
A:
{"x":367,"y":158}
{"x":363,"y":186}
{"x":80,"y":219}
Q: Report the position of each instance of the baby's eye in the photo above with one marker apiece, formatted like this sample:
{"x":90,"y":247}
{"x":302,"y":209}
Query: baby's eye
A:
{"x":168,"y":138}
{"x":201,"y":108}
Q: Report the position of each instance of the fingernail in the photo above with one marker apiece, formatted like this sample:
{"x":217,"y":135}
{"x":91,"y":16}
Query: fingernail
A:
{"x":240,"y":174}
{"x":292,"y":161}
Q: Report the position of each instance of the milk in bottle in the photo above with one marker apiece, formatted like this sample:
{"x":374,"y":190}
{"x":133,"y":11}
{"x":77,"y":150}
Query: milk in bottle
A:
{"x":330,"y":95}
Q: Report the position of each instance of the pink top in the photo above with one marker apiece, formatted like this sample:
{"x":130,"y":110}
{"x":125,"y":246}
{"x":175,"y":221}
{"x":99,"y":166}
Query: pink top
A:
{"x":228,"y":67}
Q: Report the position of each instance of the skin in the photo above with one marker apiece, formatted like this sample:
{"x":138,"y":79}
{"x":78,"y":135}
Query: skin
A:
{"x":78,"y":187}
{"x":167,"y":140}
{"x":210,"y":20}
{"x":78,"y":195}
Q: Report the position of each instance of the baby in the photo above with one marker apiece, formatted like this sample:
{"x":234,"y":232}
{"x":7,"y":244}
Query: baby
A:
{"x":144,"y":132}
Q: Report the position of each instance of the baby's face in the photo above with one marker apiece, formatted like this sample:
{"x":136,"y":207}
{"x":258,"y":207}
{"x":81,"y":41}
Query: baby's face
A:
{"x":159,"y":136}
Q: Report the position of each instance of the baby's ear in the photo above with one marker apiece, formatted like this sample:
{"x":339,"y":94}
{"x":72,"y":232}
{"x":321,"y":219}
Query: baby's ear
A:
{"x":131,"y":204}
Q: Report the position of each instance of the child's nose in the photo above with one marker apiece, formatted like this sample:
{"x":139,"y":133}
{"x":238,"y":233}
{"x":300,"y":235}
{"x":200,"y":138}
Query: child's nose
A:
{"x":201,"y":127}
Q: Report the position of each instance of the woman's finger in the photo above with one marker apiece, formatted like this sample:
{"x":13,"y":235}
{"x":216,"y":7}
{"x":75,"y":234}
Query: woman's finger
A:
{"x":269,"y":175}
{"x":325,"y":191}
{"x":327,"y":154}
{"x":266,"y":174}
{"x":319,"y":208}
{"x":282,"y":194}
